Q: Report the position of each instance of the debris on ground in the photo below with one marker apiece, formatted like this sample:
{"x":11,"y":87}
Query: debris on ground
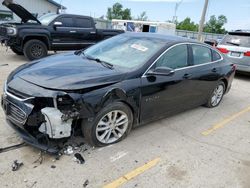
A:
{"x":2,"y":65}
{"x":16,"y":165}
{"x":68,"y":150}
{"x":53,"y":166}
{"x":40,"y":158}
{"x":9,"y":148}
{"x":32,"y":185}
{"x":79,"y":158}
{"x":86,"y":183}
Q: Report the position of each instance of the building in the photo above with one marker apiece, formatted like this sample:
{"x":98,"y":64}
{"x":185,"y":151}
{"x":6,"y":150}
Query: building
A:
{"x":36,"y":7}
{"x":144,"y":26}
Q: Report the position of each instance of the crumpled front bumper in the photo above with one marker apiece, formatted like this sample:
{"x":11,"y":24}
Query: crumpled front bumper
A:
{"x":29,"y":139}
{"x":14,"y":106}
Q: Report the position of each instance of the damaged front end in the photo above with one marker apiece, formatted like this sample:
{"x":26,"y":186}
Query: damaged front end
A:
{"x":41,"y":119}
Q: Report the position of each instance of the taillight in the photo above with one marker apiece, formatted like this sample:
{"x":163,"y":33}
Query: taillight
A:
{"x":223,"y":50}
{"x":247,"y":53}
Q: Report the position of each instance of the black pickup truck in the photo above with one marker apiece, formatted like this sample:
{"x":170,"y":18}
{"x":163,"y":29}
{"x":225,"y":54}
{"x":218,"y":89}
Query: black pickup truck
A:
{"x":34,"y":37}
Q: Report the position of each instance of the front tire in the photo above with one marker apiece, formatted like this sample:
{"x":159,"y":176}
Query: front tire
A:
{"x":111,"y":125}
{"x":217,"y":95}
{"x":35,"y":49}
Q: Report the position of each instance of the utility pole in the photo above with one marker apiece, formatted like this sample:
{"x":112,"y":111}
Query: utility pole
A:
{"x":202,"y":21}
{"x":175,"y":11}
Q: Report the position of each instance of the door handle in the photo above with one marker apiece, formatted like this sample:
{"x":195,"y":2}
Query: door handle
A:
{"x":72,"y":31}
{"x":187,"y":76}
{"x":214,"y":70}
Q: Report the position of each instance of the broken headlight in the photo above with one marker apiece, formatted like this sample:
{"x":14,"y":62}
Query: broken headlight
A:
{"x":64,"y":102}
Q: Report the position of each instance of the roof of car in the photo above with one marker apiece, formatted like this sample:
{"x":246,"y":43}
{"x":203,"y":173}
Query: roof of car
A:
{"x":167,"y":38}
{"x":240,"y":32}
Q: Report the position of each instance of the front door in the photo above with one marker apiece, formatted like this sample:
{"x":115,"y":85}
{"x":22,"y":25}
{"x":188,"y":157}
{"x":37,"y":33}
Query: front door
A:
{"x":64,"y":36}
{"x":166,"y":95}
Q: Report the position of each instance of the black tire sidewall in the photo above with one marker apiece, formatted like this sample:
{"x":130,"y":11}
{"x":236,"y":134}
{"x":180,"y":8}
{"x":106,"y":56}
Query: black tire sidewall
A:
{"x":209,"y":103}
{"x":27,"y":49}
{"x":89,"y":128}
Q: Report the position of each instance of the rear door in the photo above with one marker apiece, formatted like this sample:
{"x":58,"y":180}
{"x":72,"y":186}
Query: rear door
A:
{"x":206,"y":71}
{"x":85,"y":31}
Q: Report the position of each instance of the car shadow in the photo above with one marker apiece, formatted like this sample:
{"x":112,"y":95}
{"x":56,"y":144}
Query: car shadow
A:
{"x":243,"y":76}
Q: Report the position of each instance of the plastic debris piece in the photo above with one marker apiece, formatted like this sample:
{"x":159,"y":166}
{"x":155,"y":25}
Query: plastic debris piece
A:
{"x":16,"y":165}
{"x":86,"y":183}
{"x":79,"y":158}
{"x":68,"y":150}
{"x":53,"y":166}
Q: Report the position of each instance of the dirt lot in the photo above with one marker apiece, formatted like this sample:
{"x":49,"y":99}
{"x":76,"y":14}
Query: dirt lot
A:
{"x":198,"y":148}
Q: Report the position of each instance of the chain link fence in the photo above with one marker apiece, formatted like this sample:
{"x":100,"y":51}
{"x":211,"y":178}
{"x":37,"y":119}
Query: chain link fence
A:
{"x":194,"y":35}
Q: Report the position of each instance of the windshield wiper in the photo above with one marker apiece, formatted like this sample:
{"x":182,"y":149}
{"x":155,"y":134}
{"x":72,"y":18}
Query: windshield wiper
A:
{"x":104,"y":63}
{"x":235,"y":44}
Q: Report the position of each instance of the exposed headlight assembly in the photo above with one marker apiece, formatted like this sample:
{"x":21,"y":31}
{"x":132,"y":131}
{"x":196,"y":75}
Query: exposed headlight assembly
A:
{"x":11,"y":31}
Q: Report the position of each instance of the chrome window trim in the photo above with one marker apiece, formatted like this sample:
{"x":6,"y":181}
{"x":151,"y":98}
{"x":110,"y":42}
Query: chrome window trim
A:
{"x":72,"y":43}
{"x":188,"y":67}
{"x":82,"y":28}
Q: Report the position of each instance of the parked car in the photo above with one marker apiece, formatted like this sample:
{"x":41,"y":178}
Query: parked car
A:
{"x":211,"y":42}
{"x":34,"y":37}
{"x":236,"y":47}
{"x":107,"y":89}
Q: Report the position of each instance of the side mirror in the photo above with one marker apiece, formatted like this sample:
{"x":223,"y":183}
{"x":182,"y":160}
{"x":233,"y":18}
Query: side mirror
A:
{"x":57,"y":24}
{"x":161,"y":71}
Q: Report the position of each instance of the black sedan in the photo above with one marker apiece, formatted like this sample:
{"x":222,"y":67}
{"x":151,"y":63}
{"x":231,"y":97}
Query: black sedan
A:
{"x":109,"y":88}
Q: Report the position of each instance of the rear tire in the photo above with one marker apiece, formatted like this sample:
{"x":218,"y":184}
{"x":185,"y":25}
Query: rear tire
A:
{"x":16,"y":51}
{"x":217,"y":95}
{"x":113,"y":123}
{"x":35,"y":49}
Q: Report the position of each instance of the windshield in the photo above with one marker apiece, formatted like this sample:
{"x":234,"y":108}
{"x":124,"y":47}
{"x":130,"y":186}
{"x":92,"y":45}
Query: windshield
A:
{"x":236,"y":40}
{"x":126,"y":51}
{"x":47,"y":18}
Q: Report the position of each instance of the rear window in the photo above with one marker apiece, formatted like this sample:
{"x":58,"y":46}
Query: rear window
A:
{"x":236,"y":40}
{"x":201,"y":54}
{"x":67,"y":22}
{"x":83,"y":23}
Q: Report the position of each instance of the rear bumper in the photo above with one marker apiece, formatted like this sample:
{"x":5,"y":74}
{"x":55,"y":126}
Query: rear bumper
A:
{"x":29,"y":139}
{"x":243,"y":68}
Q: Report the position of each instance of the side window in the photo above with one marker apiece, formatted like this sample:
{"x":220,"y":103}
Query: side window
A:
{"x":83,"y":23}
{"x":66,"y":22}
{"x":175,"y":58}
{"x":201,"y":54}
{"x":216,"y":56}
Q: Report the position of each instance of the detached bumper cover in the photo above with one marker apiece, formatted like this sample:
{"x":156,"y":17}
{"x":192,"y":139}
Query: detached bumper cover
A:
{"x":29,"y":139}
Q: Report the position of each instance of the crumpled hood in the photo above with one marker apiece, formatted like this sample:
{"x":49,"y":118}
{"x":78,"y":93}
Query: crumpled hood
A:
{"x":67,"y":72}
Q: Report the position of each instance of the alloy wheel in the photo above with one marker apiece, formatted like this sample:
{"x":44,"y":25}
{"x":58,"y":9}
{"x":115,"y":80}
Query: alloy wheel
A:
{"x":112,"y":127}
{"x":217,"y":95}
{"x":36,"y":51}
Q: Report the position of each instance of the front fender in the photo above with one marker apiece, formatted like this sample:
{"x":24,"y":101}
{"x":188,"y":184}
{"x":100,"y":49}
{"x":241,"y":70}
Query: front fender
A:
{"x":127,"y":92}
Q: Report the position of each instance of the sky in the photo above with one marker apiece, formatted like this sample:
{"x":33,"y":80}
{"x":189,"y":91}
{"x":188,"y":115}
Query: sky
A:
{"x":236,"y":11}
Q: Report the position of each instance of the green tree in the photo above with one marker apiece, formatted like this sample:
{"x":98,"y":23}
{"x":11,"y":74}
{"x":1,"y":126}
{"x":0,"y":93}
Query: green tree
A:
{"x":187,"y":24}
{"x":216,"y":25}
{"x":142,"y":17}
{"x":117,"y":12}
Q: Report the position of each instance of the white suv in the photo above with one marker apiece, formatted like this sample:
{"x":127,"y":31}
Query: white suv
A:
{"x":236,"y":47}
